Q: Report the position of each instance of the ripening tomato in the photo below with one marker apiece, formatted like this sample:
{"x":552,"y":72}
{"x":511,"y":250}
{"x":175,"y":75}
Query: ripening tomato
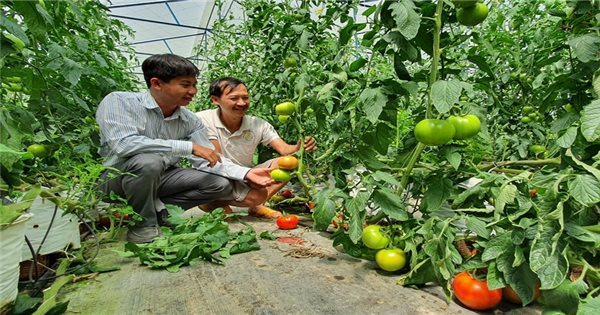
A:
{"x":285,"y":108}
{"x":281,"y":175}
{"x":287,"y":193}
{"x":473,"y":15}
{"x":434,"y":131}
{"x":510,"y":295}
{"x":373,"y":238}
{"x":287,"y":222}
{"x":392,"y":259}
{"x":465,"y":126}
{"x":287,"y":162}
{"x":474,"y":293}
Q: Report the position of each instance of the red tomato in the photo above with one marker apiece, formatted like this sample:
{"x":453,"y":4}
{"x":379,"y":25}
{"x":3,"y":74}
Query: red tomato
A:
{"x":287,"y":222}
{"x":311,"y":205}
{"x":474,"y":293}
{"x":287,"y":193}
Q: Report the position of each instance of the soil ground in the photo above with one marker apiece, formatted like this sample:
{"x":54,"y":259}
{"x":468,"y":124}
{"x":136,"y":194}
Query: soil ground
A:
{"x":312,"y":278}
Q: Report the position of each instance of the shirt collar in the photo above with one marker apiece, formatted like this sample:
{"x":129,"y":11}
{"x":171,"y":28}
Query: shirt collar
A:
{"x":150,"y":103}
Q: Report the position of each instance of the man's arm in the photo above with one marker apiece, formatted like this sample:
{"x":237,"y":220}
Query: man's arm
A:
{"x":286,"y":149}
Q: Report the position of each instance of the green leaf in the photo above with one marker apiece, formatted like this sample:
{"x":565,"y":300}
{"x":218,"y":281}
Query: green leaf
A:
{"x":568,"y":138}
{"x":586,"y":47}
{"x":476,"y":225}
{"x":386,"y":177}
{"x":592,"y":170}
{"x":585,"y":189}
{"x":506,"y":196}
{"x":407,"y":19}
{"x":497,"y":246}
{"x":357,"y":64}
{"x":439,"y":190}
{"x":445,"y":94}
{"x":391,"y":204}
{"x":482,"y":64}
{"x":356,"y":209}
{"x":454,"y":158}
{"x":590,"y":121}
{"x":373,"y":101}
{"x":589,"y":306}
{"x":566,"y":296}
{"x":400,"y":69}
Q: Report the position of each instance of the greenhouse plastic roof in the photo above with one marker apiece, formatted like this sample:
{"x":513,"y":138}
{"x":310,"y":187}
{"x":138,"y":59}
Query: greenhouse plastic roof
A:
{"x":176,"y":26}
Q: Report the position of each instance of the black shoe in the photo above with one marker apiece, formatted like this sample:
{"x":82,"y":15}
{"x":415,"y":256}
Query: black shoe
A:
{"x":163,"y":219}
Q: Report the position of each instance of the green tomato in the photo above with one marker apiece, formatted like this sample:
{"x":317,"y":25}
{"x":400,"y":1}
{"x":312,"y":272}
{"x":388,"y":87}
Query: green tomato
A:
{"x":281,"y":175}
{"x":290,"y":62}
{"x":285,"y":108}
{"x":283,"y":118}
{"x":471,"y":16}
{"x":522,"y":76}
{"x":464,"y":3}
{"x":392,"y":259}
{"x":569,"y":108}
{"x":532,"y":115}
{"x":465,"y":126}
{"x":309,"y":111}
{"x":536,"y":148}
{"x":434,"y":131}
{"x":525,"y":119}
{"x":528,"y":109}
{"x":14,"y":87}
{"x":38,"y":150}
{"x":373,"y":238}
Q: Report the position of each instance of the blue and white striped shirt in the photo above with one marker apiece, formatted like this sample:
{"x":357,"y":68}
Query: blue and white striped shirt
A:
{"x":132,"y":123}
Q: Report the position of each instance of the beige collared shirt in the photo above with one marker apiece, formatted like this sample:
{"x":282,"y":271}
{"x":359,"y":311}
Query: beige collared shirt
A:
{"x":240,"y":145}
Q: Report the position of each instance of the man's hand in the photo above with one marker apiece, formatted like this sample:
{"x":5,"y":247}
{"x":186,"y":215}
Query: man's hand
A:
{"x":310,"y":144}
{"x":206,"y":153}
{"x":260,"y":177}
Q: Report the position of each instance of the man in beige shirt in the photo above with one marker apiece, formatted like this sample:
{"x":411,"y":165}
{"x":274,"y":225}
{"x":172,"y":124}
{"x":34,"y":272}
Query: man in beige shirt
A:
{"x":236,"y":135}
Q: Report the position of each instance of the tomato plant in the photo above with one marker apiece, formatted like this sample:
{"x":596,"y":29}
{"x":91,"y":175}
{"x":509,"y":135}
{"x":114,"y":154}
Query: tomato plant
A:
{"x":474,"y":293}
{"x":391,"y":259}
{"x":287,"y":162}
{"x":281,"y":175}
{"x":374,"y":238}
{"x":434,"y":131}
{"x":473,"y":15}
{"x":287,"y":222}
{"x":465,"y":126}
{"x":285,"y":109}
{"x":464,"y":3}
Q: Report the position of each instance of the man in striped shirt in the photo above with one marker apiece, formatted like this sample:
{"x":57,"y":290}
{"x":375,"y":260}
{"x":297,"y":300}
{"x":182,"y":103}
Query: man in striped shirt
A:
{"x":144,"y":135}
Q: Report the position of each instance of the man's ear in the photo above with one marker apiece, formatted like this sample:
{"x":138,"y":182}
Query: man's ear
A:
{"x":155,"y":83}
{"x":216,"y":100}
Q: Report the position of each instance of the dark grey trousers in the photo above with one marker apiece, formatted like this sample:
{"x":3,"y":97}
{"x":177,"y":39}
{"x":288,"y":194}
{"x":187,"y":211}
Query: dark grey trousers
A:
{"x":147,"y":177}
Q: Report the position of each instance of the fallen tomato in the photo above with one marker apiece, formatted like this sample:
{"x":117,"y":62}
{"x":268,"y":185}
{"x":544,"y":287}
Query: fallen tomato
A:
{"x":392,"y":259}
{"x":474,"y":293}
{"x":287,"y":222}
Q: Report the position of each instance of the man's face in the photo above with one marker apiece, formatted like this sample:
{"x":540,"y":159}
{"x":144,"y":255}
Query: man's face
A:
{"x":234,"y":102}
{"x":178,"y":92}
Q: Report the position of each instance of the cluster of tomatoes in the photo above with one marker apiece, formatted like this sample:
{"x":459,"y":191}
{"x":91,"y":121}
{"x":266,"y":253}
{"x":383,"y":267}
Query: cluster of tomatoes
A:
{"x":470,"y":12}
{"x":286,"y":164}
{"x":389,"y":259}
{"x":284,"y":111}
{"x":435,"y":132}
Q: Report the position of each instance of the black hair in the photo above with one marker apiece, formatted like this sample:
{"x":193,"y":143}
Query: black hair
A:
{"x":217,"y":87}
{"x":166,"y":67}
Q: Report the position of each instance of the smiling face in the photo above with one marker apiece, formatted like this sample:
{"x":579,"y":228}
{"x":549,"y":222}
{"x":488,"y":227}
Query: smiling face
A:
{"x":179,"y":91}
{"x":234,"y":102}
